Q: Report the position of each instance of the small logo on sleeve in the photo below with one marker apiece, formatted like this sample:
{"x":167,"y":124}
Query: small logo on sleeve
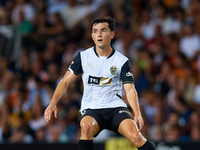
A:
{"x":71,"y":64}
{"x":128,"y":74}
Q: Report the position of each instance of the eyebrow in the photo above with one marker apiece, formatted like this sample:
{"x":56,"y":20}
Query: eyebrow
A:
{"x":100,"y":29}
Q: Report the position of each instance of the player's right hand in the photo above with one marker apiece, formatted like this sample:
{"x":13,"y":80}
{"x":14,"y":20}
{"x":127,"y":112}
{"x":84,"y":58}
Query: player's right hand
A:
{"x":48,"y":112}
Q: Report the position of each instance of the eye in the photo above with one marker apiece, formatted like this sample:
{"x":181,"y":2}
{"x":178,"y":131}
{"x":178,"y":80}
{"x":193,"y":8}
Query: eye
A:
{"x":95,"y":31}
{"x":104,"y":30}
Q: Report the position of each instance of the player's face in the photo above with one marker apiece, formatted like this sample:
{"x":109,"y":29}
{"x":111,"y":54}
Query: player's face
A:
{"x":102,"y":35}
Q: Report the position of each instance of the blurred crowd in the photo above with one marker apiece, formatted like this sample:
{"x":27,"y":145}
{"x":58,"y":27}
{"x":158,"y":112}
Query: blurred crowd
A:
{"x":160,"y":37}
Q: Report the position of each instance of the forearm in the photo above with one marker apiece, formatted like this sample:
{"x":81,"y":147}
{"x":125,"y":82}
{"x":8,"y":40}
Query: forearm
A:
{"x":59,"y":92}
{"x":62,"y":87}
{"x":132,"y":98}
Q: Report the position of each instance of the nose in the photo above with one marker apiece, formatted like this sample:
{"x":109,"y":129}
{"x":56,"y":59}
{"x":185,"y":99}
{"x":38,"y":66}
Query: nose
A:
{"x":99,"y":34}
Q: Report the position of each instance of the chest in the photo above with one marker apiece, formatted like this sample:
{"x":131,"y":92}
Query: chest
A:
{"x":102,"y":67}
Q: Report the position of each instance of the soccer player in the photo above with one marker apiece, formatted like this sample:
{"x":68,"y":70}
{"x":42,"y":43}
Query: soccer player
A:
{"x":104,"y":72}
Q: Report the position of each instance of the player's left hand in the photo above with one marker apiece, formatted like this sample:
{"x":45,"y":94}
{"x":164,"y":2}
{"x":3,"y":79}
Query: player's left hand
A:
{"x":139,"y":121}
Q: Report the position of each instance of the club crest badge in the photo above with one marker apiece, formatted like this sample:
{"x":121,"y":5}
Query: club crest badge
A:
{"x":113,"y":70}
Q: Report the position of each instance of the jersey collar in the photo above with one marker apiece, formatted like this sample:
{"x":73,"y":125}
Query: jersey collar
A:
{"x":113,"y":51}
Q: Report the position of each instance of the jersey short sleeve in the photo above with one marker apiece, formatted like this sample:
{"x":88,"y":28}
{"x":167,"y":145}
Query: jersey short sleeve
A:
{"x":126,"y":73}
{"x":76,"y":67}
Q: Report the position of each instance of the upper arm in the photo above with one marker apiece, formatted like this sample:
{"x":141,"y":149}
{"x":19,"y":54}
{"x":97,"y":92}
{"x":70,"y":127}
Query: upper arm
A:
{"x":69,"y":77}
{"x":74,"y":69}
{"x":126,"y":74}
{"x":76,"y":66}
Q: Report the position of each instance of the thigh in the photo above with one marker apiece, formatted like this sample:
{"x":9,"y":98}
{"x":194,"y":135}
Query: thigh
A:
{"x":119,"y":114}
{"x":127,"y":126}
{"x":129,"y":129}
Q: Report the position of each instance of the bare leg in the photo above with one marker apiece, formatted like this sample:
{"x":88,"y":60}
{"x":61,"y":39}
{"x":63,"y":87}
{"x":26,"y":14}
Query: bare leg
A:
{"x":128,"y":128}
{"x":89,"y":127}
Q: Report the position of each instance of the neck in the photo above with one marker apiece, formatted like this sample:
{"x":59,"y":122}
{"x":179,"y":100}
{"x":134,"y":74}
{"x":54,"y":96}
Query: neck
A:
{"x":106,"y":51}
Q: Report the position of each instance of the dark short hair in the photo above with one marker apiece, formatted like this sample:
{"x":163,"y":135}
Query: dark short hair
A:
{"x":109,"y":20}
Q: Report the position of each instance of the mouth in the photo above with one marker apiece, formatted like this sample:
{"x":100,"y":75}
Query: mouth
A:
{"x":100,"y":40}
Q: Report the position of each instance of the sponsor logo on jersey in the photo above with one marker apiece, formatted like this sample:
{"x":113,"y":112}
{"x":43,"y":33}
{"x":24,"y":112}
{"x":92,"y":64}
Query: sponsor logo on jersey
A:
{"x":113,"y":70}
{"x":128,"y":74}
{"x":99,"y":80}
{"x":93,"y":80}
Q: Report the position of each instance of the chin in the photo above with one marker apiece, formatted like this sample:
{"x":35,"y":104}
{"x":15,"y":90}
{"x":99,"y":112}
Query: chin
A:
{"x":101,"y":46}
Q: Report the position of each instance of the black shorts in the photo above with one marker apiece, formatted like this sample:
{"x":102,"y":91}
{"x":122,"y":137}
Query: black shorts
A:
{"x":108,"y":118}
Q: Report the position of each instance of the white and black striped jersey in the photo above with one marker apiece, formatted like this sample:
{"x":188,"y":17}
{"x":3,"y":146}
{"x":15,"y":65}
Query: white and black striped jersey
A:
{"x":102,"y":78}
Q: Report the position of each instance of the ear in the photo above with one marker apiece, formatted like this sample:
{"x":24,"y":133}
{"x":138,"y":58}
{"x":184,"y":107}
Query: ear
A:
{"x":112,"y":34}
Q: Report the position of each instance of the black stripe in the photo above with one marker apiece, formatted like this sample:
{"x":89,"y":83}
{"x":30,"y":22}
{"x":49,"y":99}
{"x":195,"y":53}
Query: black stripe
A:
{"x":119,"y":96}
{"x":95,"y":51}
{"x":113,"y":51}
